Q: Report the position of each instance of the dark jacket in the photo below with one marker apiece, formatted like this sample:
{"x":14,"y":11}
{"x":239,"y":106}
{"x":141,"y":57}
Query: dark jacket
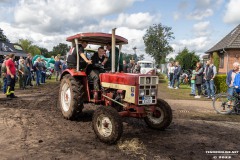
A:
{"x":177,"y":71}
{"x":199,"y":76}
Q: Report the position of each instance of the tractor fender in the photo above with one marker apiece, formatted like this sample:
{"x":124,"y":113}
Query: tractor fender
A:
{"x":82,"y":76}
{"x":73,"y":73}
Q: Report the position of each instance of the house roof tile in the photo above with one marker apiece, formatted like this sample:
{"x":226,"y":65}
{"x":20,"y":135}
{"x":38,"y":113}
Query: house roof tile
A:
{"x":232,"y":40}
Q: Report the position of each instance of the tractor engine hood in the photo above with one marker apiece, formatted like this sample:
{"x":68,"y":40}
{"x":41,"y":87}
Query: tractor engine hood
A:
{"x":122,"y":78}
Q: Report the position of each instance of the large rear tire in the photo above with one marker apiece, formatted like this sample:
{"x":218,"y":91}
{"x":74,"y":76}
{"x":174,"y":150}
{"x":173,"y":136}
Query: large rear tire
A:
{"x":70,"y":97}
{"x":107,"y":124}
{"x":161,"y":118}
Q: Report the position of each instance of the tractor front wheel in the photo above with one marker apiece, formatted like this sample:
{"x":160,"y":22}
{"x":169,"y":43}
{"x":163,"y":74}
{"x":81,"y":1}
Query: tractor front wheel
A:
{"x":107,"y":124}
{"x":161,"y":118}
{"x":70,"y":97}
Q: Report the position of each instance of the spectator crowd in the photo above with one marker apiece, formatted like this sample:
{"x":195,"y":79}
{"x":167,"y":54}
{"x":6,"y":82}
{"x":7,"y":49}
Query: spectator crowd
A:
{"x":25,"y":71}
{"x":201,"y":77}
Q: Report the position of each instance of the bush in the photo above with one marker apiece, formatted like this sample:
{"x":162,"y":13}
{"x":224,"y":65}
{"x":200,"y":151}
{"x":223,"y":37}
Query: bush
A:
{"x":220,"y":83}
{"x":216,"y":60}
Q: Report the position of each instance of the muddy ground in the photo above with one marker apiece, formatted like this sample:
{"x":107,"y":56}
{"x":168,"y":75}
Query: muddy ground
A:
{"x":32,"y":127}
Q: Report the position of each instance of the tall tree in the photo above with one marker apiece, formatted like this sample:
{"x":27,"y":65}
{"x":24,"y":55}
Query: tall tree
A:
{"x":3,"y":37}
{"x":187,"y":59}
{"x":44,"y":52}
{"x":156,"y":41}
{"x":61,"y":49}
{"x":28,"y":47}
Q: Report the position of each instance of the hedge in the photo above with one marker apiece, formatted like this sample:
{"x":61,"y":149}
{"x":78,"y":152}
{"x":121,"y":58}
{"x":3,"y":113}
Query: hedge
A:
{"x":220,"y":83}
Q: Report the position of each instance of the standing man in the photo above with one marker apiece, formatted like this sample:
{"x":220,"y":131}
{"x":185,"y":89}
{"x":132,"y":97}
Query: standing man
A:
{"x":58,"y":67}
{"x":29,"y":65}
{"x":210,"y":73}
{"x":11,"y":76}
{"x":176,"y":75}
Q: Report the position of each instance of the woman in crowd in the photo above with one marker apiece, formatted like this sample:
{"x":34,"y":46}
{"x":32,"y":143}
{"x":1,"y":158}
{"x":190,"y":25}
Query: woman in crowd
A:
{"x":170,"y":73}
{"x":21,"y":74}
{"x":199,"y":79}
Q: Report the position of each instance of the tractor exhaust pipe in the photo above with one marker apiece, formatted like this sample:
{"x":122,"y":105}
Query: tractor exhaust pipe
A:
{"x":113,"y":49}
{"x":76,"y":43}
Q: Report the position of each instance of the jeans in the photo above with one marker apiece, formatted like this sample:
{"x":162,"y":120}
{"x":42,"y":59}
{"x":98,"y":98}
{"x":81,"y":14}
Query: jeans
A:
{"x":210,"y":88}
{"x":4,"y":85}
{"x":43,"y":76}
{"x":58,"y":73}
{"x":230,"y":91}
{"x":175,"y":77}
{"x":29,"y":77}
{"x":193,"y":88}
{"x":38,"y":75}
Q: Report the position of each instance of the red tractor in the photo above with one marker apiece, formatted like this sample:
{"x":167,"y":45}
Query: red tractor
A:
{"x":122,"y":94}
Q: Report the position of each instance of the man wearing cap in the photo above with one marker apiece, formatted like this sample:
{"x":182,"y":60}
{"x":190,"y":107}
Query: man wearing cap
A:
{"x":72,"y":57}
{"x":11,"y":75}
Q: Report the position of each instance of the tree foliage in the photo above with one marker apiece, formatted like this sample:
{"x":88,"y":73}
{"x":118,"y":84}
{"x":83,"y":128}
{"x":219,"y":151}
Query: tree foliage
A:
{"x":29,"y":47}
{"x":187,"y":59}
{"x":128,"y":57}
{"x":3,"y":37}
{"x":61,"y":49}
{"x":216,"y":60}
{"x":44,"y":52}
{"x":156,"y":41}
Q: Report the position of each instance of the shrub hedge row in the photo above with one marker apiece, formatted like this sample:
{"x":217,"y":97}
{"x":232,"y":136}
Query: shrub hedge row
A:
{"x":220,"y":83}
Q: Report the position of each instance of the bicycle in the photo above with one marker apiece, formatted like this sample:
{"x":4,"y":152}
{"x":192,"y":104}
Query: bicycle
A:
{"x":224,"y":103}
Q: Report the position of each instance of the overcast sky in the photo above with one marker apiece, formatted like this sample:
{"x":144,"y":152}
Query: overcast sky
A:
{"x":197,"y":24}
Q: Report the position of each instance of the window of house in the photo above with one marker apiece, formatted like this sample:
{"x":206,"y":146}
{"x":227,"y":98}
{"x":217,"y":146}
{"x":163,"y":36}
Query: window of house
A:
{"x":221,"y":56}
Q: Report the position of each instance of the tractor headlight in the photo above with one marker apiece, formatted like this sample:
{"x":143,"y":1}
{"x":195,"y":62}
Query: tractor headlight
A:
{"x":153,"y":92}
{"x":141,"y":92}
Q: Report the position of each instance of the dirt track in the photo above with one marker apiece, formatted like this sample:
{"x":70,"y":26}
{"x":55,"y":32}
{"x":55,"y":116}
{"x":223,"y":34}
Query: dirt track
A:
{"x":31,"y":127}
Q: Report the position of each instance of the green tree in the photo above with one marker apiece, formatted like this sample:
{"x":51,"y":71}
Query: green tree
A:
{"x":129,"y":57}
{"x":61,"y":49}
{"x":187,"y":59}
{"x":171,"y":59}
{"x":3,"y":37}
{"x":216,"y":60}
{"x":29,"y":47}
{"x":44,"y":52}
{"x":156,"y":41}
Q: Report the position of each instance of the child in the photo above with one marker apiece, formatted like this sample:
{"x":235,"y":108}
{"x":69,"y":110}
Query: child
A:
{"x":193,"y":88}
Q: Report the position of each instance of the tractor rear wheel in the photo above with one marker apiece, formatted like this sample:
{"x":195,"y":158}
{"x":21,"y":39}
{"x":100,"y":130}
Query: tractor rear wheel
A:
{"x":161,"y":118}
{"x":107,"y":124}
{"x":70,"y":97}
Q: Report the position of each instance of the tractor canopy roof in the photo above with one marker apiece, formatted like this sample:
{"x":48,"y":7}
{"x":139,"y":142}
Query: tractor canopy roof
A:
{"x":97,"y":38}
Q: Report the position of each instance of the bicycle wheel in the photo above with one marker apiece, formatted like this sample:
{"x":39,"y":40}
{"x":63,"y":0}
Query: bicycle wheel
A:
{"x":215,"y":89}
{"x":223,"y":103}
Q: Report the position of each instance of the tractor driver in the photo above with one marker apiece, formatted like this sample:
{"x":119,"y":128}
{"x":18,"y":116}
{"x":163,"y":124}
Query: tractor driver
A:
{"x":72,"y":57}
{"x":99,"y":59}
